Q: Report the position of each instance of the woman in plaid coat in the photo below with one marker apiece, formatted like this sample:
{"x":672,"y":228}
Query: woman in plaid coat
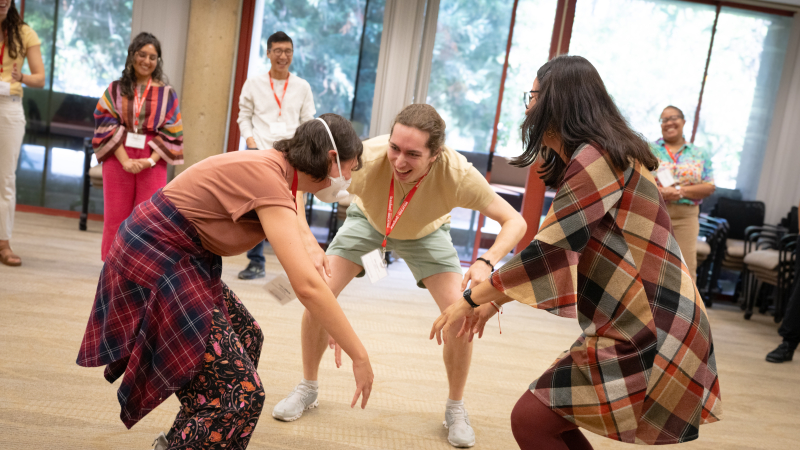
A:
{"x":165,"y":322}
{"x":643,"y":370}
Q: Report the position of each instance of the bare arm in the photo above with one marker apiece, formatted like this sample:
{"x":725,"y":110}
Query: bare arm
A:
{"x":513,"y":227}
{"x":316,"y":253}
{"x":698,"y":191}
{"x":279,"y":224}
{"x":36,"y":78}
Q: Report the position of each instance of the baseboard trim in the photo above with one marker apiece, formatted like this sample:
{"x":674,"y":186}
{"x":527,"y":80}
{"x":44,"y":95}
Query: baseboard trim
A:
{"x":56,"y":212}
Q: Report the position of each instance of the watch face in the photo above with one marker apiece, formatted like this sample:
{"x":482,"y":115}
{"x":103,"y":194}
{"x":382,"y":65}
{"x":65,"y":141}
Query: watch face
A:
{"x":468,"y":292}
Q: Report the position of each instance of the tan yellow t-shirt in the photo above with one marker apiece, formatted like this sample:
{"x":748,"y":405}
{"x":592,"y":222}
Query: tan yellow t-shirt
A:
{"x":29,"y":39}
{"x":452,"y":182}
{"x":219,"y":196}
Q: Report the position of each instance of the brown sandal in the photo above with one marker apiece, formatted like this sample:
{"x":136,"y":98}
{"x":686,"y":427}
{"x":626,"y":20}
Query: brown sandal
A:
{"x":9,"y":258}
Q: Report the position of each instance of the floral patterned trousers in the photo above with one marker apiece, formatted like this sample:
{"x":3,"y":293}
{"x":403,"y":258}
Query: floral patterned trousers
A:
{"x":221,"y":405}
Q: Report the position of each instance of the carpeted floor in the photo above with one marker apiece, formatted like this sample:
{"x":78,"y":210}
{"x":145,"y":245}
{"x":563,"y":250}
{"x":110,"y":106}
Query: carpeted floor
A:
{"x":48,"y":402}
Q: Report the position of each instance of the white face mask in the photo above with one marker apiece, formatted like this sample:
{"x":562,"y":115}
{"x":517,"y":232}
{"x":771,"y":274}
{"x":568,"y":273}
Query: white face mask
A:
{"x":337,"y":191}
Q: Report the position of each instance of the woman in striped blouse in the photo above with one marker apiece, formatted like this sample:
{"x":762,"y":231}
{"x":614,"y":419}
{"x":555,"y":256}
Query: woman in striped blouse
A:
{"x":138,"y":131}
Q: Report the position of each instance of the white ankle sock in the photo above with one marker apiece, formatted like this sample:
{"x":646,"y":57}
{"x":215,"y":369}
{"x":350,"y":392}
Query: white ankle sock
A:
{"x":312,"y":384}
{"x":454,"y":403}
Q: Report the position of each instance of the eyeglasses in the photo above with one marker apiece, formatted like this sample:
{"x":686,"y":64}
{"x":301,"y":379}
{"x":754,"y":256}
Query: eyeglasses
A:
{"x":280,"y":51}
{"x":527,"y":96}
{"x":670,"y":119}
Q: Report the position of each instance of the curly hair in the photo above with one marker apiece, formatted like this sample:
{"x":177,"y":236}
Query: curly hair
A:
{"x":11,"y":27}
{"x":127,"y":82}
{"x":573,"y":104}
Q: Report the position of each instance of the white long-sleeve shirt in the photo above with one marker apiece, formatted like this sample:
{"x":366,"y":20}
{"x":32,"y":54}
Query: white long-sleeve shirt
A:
{"x":258,"y":108}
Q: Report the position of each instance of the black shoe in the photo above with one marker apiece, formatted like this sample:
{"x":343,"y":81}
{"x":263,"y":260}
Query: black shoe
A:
{"x":783,"y":353}
{"x":252,"y":272}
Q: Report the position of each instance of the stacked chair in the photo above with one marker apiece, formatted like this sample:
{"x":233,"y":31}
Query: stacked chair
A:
{"x":711,"y":244}
{"x":740,"y":214}
{"x":770,"y":252}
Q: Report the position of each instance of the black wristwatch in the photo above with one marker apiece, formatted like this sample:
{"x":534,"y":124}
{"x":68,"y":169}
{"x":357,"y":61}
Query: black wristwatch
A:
{"x":468,"y":298}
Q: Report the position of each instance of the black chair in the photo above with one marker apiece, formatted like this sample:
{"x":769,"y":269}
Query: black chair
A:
{"x":710,"y":253}
{"x":739,"y":214}
{"x":88,"y":151}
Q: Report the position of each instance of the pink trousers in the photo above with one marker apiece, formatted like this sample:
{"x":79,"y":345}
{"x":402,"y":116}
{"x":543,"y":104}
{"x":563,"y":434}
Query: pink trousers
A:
{"x":122,"y":191}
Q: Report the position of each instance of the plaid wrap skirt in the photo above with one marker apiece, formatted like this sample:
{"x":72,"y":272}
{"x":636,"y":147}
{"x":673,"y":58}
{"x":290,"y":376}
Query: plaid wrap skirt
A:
{"x":153,"y":308}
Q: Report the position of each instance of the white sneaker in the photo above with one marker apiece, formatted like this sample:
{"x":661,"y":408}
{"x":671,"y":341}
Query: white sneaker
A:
{"x":461,"y":434}
{"x":161,"y":442}
{"x":303,"y":397}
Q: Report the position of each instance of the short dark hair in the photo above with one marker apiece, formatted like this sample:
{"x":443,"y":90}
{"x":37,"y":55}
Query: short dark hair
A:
{"x":574,"y":104}
{"x":307,"y":151}
{"x":424,"y":118}
{"x":280,"y":36}
{"x":676,"y":109}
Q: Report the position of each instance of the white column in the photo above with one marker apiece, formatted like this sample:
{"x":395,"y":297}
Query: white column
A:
{"x":779,"y":185}
{"x":399,"y":61}
{"x":169,"y":22}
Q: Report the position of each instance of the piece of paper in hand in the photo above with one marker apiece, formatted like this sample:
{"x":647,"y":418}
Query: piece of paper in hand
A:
{"x":280,"y":289}
{"x":374,"y":265}
{"x":665,"y":177}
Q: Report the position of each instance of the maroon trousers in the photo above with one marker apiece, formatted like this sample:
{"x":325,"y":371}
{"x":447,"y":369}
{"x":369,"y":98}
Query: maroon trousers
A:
{"x":536,"y":426}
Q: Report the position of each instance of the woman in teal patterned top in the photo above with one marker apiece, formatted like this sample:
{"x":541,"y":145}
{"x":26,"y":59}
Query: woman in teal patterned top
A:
{"x":684,"y":178}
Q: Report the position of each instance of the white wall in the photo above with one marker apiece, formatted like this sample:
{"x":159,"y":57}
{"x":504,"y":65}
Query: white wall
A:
{"x":169,"y":22}
{"x":779,"y":185}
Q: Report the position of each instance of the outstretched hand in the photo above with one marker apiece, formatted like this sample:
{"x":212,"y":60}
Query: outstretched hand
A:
{"x":453,"y":314}
{"x":475,"y":323}
{"x":337,"y":351}
{"x":362,"y":370}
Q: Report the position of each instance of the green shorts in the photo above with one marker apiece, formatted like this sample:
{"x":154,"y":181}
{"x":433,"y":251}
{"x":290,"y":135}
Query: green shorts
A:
{"x":426,"y":256}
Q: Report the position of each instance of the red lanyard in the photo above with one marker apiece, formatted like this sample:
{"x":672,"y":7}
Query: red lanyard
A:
{"x":390,"y":223}
{"x":2,"y":53}
{"x":674,"y":158}
{"x":137,"y":104}
{"x":294,"y":189}
{"x":285,"y":87}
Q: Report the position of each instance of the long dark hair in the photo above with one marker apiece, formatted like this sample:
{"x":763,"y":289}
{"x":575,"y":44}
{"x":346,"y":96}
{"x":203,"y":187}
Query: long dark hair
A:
{"x":307,"y":151}
{"x":127,"y":82}
{"x":11,"y":27}
{"x":573,"y":104}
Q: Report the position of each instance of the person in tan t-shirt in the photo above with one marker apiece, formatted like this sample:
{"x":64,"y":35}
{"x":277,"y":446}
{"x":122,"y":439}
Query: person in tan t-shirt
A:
{"x":413,"y":154}
{"x":164,"y":321}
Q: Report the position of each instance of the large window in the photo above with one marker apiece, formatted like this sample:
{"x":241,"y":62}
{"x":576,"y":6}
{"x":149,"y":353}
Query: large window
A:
{"x":336,"y":48}
{"x":468,"y":57}
{"x":743,"y":78}
{"x":740,"y":89}
{"x":90,"y":39}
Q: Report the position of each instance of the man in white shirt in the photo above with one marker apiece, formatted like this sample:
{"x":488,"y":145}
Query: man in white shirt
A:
{"x":271,"y":107}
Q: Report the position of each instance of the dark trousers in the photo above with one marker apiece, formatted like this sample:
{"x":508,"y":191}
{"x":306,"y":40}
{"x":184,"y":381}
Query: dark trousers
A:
{"x":256,"y":254}
{"x":220,"y":406}
{"x":790,"y":327}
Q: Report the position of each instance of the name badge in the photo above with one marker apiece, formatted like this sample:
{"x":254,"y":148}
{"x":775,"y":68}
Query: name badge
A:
{"x":5,"y":88}
{"x":280,"y":289}
{"x":665,"y":177}
{"x":277,"y":128}
{"x":374,"y":265}
{"x":135,"y":140}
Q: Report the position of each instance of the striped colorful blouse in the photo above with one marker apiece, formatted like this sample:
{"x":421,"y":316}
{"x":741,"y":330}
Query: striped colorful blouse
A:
{"x":643,"y":370}
{"x":160,"y":115}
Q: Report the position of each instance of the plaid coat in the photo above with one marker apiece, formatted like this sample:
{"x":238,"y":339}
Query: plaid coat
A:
{"x":152,"y":313}
{"x":643,"y":370}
